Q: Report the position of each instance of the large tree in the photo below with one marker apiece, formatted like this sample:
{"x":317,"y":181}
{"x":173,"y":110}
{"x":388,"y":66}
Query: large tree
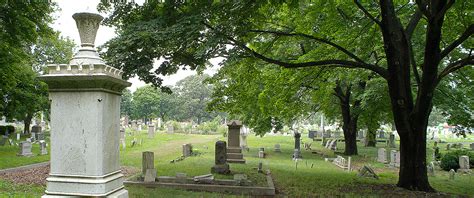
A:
{"x":413,"y":46}
{"x":194,"y":93}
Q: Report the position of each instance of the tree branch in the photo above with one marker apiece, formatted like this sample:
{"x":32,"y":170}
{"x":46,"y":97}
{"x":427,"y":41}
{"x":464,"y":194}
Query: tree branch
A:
{"x":332,"y":62}
{"x":465,"y":35}
{"x":444,"y":9}
{"x":322,"y":40}
{"x":367,"y":13}
{"x":412,"y":24}
{"x":455,"y":66}
{"x":422,"y":5}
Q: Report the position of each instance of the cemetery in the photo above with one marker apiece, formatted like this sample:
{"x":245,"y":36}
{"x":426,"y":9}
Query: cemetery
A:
{"x":277,"y":110}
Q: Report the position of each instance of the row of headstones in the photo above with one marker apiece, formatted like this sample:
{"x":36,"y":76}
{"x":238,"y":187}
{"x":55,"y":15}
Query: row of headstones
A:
{"x":336,"y":134}
{"x":458,"y":146}
{"x":394,"y":157}
{"x":25,"y":148}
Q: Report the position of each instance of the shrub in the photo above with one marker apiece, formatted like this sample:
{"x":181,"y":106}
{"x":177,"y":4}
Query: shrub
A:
{"x":450,"y":160}
{"x":9,"y":128}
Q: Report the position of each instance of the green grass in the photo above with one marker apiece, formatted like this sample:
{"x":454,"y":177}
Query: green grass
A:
{"x":10,"y":159}
{"x":323,"y":179}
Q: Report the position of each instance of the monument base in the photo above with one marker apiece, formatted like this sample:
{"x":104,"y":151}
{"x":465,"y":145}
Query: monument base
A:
{"x":220,"y":169}
{"x":86,"y":186}
{"x":234,"y":155}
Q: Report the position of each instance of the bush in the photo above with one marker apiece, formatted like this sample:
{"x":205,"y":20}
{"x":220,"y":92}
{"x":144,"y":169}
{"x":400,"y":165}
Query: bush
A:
{"x":450,"y":160}
{"x":9,"y":128}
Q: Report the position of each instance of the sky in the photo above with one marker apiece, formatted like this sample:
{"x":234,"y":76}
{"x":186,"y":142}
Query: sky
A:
{"x":65,"y":24}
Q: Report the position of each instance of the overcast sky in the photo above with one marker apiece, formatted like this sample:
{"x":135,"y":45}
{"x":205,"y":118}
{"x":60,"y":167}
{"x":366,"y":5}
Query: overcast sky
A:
{"x":67,"y":26}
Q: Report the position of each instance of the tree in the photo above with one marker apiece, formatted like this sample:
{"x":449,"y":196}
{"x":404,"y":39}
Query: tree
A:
{"x":195,"y":94}
{"x":126,"y":102}
{"x":146,"y":102}
{"x":413,"y":47}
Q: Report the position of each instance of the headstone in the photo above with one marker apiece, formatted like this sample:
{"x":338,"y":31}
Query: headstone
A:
{"x":33,"y":137}
{"x":393,"y":158}
{"x":298,"y":141}
{"x":243,"y":141}
{"x":381,"y":134}
{"x":360,"y":135}
{"x":397,"y":159}
{"x":260,"y":167}
{"x":148,"y":161}
{"x":261,"y":154}
{"x":382,"y":155}
{"x":150,"y":175}
{"x":18,"y":136}
{"x":43,"y":149}
{"x":85,"y":114}
{"x":221,"y":166}
{"x":391,"y":141}
{"x":170,"y":129}
{"x":472,"y":146}
{"x":40,"y":136}
{"x":187,"y":150}
{"x":234,"y":152}
{"x":36,"y":129}
{"x":277,"y":148}
{"x":25,"y":149}
{"x":134,"y":125}
{"x":430,"y":169}
{"x":312,"y":134}
{"x":451,"y":174}
{"x":367,"y":171}
{"x":151,"y":131}
{"x":297,"y":154}
{"x":464,"y":164}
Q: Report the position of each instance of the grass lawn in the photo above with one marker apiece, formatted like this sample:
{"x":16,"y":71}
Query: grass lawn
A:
{"x":312,"y":177}
{"x":10,"y":159}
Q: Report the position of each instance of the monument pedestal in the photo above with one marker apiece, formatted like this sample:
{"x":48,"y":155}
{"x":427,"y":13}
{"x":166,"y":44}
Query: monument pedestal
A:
{"x":234,"y":151}
{"x":85,"y":113}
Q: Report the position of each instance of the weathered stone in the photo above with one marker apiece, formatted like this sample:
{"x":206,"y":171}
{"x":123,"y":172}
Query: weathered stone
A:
{"x":382,"y":155}
{"x":234,"y":151}
{"x":260,"y":167}
{"x":452,"y":173}
{"x":391,"y":141}
{"x":221,"y":166}
{"x":367,"y":171}
{"x":43,"y":149}
{"x":85,"y":115}
{"x":36,"y":129}
{"x":312,"y":134}
{"x":150,"y":175}
{"x":472,"y":146}
{"x":187,"y":150}
{"x":277,"y":148}
{"x":170,"y":129}
{"x":25,"y":149}
{"x":151,"y":131}
{"x":148,"y":161}
{"x":464,"y":164}
{"x":181,"y":177}
{"x":261,"y":154}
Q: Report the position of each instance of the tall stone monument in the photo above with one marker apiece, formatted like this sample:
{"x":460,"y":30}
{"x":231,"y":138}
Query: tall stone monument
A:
{"x":221,"y":165}
{"x":234,"y":152}
{"x":85,"y":115}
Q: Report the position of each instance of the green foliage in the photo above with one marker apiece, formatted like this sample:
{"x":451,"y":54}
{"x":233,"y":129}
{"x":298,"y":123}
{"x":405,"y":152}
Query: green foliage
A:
{"x":146,"y":102}
{"x":450,"y":160}
{"x":126,"y":106}
{"x":9,"y":128}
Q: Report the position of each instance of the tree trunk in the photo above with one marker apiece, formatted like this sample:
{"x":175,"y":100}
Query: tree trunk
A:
{"x":27,"y":123}
{"x":349,"y":122}
{"x":371,"y":141}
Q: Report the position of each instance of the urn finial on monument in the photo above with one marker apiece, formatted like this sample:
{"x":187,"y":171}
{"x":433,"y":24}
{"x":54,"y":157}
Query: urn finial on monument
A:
{"x":87,"y":24}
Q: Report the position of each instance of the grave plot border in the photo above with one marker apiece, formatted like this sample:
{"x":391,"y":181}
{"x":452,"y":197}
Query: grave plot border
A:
{"x":268,"y":190}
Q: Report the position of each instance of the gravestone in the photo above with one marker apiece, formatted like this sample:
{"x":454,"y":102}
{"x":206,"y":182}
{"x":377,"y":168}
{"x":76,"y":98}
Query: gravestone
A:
{"x":277,"y":148}
{"x":393,"y":156}
{"x":430,"y":169}
{"x":150,"y":175}
{"x":261,"y":154}
{"x":367,"y":171}
{"x":382,"y":155}
{"x":472,"y":146}
{"x":33,"y":137}
{"x":312,"y":134}
{"x":85,"y":114}
{"x":297,"y":141}
{"x":40,"y":136}
{"x":18,"y":136}
{"x":148,"y":161}
{"x":360,"y":135}
{"x":221,"y":166}
{"x":25,"y":149}
{"x":125,"y":122}
{"x":243,"y":141}
{"x":464,"y":164}
{"x":43,"y":149}
{"x":187,"y":150}
{"x":381,"y":134}
{"x":170,"y":129}
{"x":151,"y":131}
{"x":234,"y":152}
{"x":391,"y":141}
{"x":260,"y":167}
{"x":451,"y":174}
